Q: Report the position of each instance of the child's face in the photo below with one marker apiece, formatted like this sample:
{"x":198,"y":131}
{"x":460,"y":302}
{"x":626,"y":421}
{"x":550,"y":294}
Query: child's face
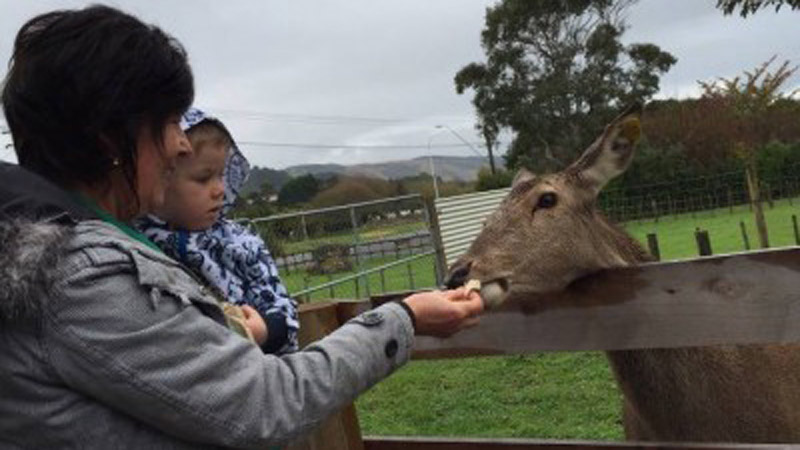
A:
{"x":196,"y":192}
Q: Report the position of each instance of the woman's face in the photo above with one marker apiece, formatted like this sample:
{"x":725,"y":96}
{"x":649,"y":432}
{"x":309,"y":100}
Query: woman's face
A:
{"x":155,"y":165}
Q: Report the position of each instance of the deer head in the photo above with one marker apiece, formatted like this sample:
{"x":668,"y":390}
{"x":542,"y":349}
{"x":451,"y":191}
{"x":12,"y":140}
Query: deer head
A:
{"x":548,"y":232}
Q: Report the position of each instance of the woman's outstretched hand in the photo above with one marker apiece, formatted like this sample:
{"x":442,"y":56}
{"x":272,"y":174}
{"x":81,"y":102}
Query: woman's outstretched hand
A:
{"x":443,"y":313}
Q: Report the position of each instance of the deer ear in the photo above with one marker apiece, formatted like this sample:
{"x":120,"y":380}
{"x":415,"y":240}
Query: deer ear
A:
{"x":522,"y":176}
{"x":611,"y":154}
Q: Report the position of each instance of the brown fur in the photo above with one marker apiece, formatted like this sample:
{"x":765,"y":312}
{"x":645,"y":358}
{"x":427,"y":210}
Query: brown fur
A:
{"x":725,"y":394}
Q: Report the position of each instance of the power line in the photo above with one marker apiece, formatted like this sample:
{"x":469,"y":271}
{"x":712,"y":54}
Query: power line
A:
{"x":308,"y":118}
{"x":467,"y":143}
{"x":334,"y":146}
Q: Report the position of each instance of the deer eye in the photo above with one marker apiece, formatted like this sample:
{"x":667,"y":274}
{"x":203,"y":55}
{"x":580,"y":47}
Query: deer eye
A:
{"x":547,"y":200}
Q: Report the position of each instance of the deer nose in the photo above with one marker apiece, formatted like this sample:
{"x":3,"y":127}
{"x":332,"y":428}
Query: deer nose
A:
{"x":458,"y":276}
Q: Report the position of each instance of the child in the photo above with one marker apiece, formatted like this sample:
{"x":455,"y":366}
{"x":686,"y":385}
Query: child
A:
{"x":191,"y":228}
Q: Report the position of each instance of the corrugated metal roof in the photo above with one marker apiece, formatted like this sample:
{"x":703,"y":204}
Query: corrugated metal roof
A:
{"x":461,"y":218}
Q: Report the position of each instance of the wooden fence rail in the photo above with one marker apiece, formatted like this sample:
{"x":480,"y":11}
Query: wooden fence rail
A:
{"x":423,"y":443}
{"x":731,"y":299}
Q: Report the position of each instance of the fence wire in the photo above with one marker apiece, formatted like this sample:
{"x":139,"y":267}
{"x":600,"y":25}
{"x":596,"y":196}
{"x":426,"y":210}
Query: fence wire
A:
{"x":710,"y":195}
{"x":362,"y":249}
{"x":353,"y":251}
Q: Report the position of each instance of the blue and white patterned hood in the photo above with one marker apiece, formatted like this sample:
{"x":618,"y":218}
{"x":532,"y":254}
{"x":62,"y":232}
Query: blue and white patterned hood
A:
{"x":237,"y":168}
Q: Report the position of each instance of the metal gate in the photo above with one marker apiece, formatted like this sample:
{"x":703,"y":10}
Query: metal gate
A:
{"x":355,"y":250}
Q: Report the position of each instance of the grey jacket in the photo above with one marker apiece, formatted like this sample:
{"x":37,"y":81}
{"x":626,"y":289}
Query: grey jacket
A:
{"x":106,"y":343}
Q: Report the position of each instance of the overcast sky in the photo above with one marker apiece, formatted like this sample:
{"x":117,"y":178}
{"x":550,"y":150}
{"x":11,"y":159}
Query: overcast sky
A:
{"x":342,"y":81}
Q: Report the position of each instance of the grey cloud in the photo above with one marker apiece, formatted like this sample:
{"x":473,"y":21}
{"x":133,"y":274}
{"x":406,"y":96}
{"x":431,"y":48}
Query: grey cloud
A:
{"x":259,"y":62}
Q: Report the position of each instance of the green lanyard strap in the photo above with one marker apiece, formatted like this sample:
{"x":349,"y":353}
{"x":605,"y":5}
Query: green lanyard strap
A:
{"x":105,"y":216}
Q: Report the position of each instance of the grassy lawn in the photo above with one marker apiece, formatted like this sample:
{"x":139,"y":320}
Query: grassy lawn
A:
{"x":548,"y":395}
{"x":676,"y":235}
{"x":554,"y":395}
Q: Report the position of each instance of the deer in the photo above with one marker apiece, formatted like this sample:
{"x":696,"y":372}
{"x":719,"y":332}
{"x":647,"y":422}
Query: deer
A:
{"x":548,"y":232}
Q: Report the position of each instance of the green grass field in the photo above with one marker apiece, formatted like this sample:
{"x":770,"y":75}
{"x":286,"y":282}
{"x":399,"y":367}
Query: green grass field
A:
{"x":676,"y":235}
{"x":556,"y":395}
{"x":365,"y":234}
{"x":421,"y":273}
{"x":548,"y":395}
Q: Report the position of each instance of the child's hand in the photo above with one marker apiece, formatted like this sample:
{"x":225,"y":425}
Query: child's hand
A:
{"x":255,"y":323}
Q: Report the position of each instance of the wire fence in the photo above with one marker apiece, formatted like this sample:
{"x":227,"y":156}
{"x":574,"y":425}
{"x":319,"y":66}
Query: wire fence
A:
{"x":726,"y":230}
{"x":363,"y":249}
{"x":353,"y":251}
{"x":711,"y":195}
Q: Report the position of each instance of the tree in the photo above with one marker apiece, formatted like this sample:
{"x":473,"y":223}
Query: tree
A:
{"x":298,"y":190}
{"x":260,"y":175}
{"x":751,"y":6}
{"x":488,"y":180}
{"x":555,"y":72}
{"x":748,"y":101}
{"x":266,"y":189}
{"x":352,"y":189}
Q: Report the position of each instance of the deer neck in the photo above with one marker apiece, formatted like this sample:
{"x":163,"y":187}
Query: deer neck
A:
{"x":619,"y":248}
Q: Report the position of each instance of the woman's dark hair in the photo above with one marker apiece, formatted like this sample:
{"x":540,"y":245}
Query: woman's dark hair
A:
{"x":81,"y":86}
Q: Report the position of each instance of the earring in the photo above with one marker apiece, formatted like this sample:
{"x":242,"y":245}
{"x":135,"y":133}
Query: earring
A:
{"x":115,"y":162}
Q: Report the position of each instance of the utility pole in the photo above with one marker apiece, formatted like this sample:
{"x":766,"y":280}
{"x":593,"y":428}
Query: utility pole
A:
{"x":433,"y":168}
{"x":489,"y":150}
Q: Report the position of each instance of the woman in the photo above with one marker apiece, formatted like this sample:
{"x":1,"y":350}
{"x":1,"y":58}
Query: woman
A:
{"x":106,"y":342}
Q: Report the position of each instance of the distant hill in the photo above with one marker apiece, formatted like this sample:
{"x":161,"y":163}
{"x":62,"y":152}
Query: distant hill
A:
{"x":259,"y":175}
{"x":448,"y":168}
{"x":318,"y":170}
{"x":464,"y":168}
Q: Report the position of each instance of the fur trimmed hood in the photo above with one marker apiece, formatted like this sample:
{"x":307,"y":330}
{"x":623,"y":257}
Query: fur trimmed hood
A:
{"x":36,"y":220}
{"x":27,"y":250}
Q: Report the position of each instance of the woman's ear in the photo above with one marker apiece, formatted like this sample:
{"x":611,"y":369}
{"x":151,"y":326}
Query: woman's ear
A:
{"x":109,"y":151}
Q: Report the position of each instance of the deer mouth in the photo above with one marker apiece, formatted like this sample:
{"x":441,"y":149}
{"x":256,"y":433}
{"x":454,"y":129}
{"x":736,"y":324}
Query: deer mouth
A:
{"x":494,"y":292}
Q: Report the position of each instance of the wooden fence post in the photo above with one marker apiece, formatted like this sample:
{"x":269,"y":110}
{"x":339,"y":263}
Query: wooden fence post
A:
{"x":654,"y":206}
{"x":652,"y":245}
{"x":670,"y":206}
{"x":304,"y":226}
{"x":341,"y":431}
{"x":703,"y":242}
{"x":769,"y":195}
{"x":305,"y":286}
{"x":745,"y":239}
{"x":730,"y":201}
{"x":640,"y":213}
